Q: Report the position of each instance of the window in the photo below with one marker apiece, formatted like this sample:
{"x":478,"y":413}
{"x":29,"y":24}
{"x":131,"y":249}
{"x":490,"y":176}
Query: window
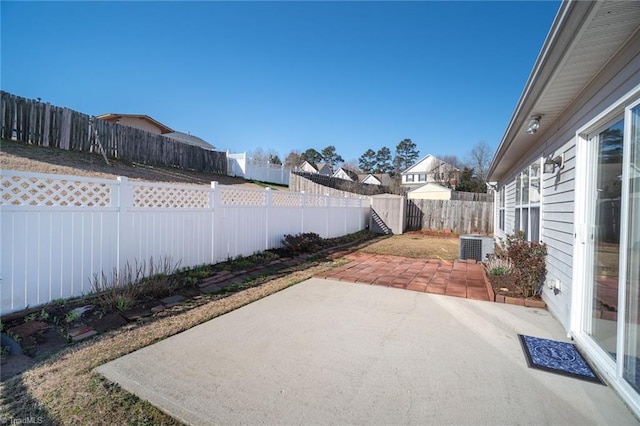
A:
{"x":527,"y":212}
{"x":410,"y":178}
{"x":422,"y":177}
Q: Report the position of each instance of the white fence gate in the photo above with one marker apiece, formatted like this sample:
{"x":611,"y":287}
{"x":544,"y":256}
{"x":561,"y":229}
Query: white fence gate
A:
{"x":57,"y":231}
{"x":241,"y":166}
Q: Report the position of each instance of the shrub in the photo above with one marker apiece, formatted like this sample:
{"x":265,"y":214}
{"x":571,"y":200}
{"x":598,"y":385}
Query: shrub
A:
{"x":118,"y":291}
{"x":529,"y":260}
{"x":302,"y":243}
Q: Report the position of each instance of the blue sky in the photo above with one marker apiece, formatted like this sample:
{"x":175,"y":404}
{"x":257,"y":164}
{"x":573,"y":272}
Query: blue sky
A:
{"x":284,"y":75}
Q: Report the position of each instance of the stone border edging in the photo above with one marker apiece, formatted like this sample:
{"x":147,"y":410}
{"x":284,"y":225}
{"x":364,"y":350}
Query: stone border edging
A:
{"x":498,"y":298}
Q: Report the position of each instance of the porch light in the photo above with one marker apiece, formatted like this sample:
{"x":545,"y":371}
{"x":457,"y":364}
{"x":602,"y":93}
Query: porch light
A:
{"x":550,"y":164}
{"x":533,"y":125}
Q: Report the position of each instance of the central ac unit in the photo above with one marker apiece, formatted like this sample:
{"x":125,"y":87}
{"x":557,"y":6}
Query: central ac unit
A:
{"x":476,"y":247}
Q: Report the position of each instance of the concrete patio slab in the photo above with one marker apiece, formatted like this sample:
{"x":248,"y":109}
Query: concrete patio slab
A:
{"x":328,"y":352}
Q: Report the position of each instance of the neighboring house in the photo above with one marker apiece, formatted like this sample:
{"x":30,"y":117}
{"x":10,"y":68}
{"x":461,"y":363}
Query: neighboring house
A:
{"x":139,"y":121}
{"x":430,"y":191}
{"x":566,"y":173}
{"x":375,"y":179}
{"x":320,"y":168}
{"x":346,"y":174}
{"x":429,"y":169}
{"x":148,"y":124}
{"x":189,"y":139}
{"x":324,"y":169}
{"x":307,"y":167}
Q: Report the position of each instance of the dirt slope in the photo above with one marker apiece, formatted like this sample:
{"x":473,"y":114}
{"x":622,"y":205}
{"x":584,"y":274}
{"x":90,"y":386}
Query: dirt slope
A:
{"x":21,"y":157}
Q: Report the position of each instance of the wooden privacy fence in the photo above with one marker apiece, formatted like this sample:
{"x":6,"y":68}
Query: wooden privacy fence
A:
{"x":59,"y":231}
{"x":462,"y":217}
{"x":33,"y":122}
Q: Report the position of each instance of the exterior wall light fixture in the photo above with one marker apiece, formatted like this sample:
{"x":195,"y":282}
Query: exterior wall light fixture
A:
{"x":550,"y":164}
{"x":533,"y":125}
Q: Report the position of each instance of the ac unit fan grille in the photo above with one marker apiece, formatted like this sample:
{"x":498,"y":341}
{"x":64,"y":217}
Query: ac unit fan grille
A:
{"x":475,"y":247}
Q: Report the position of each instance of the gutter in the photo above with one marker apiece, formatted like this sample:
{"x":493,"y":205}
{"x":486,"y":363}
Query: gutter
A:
{"x":564,"y":30}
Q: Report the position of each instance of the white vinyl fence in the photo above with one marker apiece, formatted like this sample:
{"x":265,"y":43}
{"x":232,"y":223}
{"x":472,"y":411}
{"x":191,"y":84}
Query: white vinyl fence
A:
{"x":58,"y":231}
{"x":241,"y":166}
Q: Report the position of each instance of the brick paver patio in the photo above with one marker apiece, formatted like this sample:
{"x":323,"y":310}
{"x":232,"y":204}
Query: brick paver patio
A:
{"x":458,"y":278}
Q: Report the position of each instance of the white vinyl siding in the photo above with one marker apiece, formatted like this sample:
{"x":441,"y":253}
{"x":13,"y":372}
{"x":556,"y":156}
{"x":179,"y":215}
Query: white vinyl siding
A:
{"x":558,"y":191}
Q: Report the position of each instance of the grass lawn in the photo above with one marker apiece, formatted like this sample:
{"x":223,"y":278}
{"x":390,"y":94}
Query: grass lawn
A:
{"x":417,"y":245}
{"x":65,"y":390}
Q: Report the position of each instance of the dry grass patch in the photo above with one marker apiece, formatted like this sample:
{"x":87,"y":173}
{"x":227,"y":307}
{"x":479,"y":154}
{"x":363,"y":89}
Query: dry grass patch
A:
{"x":21,"y":157}
{"x":416,"y":245}
{"x":65,"y":390}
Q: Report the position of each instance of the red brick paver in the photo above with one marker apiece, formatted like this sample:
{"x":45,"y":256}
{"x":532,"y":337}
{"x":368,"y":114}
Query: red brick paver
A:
{"x":459,"y":278}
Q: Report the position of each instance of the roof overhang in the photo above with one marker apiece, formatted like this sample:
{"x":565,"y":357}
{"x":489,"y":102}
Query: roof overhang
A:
{"x":583,"y":39}
{"x":115,"y":117}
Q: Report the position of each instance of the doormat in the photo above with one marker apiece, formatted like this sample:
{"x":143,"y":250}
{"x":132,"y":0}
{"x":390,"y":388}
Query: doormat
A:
{"x":557,"y":357}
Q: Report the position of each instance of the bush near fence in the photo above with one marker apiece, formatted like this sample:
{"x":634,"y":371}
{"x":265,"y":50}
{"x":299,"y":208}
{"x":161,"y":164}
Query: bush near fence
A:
{"x":33,"y":122}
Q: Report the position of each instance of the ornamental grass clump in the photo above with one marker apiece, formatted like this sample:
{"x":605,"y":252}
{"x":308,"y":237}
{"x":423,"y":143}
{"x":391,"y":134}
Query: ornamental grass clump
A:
{"x":499,"y":266}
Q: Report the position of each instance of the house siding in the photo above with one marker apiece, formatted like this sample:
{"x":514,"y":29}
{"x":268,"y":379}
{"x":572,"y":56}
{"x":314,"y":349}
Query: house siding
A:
{"x":559,"y":189}
{"x":139,"y":123}
{"x":557,"y":232}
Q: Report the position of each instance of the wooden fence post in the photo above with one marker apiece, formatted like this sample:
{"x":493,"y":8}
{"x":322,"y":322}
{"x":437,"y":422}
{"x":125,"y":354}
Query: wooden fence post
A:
{"x":65,"y":129}
{"x":47,"y":124}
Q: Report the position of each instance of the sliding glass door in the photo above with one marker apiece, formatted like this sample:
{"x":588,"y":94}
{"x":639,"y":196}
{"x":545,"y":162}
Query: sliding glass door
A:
{"x":631,"y":256}
{"x":604,"y":244}
{"x":609,"y":249}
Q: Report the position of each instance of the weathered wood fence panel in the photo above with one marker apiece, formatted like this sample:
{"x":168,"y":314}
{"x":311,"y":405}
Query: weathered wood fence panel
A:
{"x":33,"y":122}
{"x":462,"y":217}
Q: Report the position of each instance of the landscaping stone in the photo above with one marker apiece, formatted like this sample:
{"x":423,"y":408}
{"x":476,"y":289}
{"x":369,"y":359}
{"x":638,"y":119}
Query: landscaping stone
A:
{"x":108,"y":322}
{"x":80,"y":330}
{"x":84,"y":336}
{"x":158,"y":308}
{"x":78,"y":312}
{"x":533,"y":303}
{"x":514,"y":301}
{"x":172,"y":300}
{"x":213,"y":288}
{"x":135,"y":314}
{"x":189,"y":293}
{"x":28,"y":329}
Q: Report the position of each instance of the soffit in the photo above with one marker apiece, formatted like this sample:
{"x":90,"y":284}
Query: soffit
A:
{"x":596,"y":40}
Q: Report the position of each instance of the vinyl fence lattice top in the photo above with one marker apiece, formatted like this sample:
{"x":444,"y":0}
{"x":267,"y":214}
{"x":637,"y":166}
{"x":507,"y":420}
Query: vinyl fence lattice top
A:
{"x":153,"y":196}
{"x":49,"y":191}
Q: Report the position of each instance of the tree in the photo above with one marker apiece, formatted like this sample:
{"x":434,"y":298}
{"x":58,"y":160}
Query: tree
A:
{"x":453,"y":160}
{"x":470,"y":182}
{"x":353,"y":165}
{"x":383,"y":161}
{"x":274,"y":159}
{"x":367,"y":161}
{"x":479,"y":160}
{"x":293,"y":159}
{"x":258,"y":156}
{"x":406,"y":155}
{"x":311,"y":155}
{"x":330,"y":156}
